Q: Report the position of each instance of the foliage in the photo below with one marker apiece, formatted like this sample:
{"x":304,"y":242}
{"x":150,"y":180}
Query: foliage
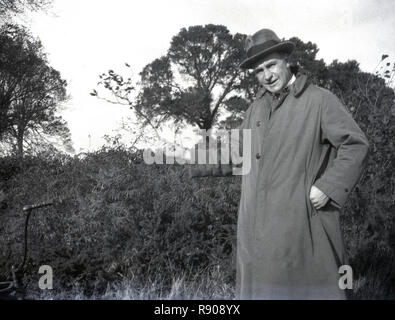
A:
{"x":119,"y":222}
{"x":199,"y":80}
{"x":191,"y":83}
{"x":371,"y":101}
{"x":117,"y":217}
{"x":30,"y":92}
{"x":304,"y":57}
{"x":12,"y":7}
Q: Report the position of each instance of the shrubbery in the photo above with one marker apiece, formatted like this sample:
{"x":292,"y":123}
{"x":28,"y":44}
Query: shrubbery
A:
{"x":117,"y":218}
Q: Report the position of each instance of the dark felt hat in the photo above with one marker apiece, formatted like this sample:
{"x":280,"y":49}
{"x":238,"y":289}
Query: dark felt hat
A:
{"x":262,"y":43}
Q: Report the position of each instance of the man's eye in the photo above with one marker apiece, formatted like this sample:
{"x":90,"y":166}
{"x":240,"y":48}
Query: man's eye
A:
{"x":256,"y":71}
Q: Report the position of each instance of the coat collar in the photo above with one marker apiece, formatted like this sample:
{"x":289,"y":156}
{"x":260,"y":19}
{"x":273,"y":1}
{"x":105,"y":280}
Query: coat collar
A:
{"x":297,"y":88}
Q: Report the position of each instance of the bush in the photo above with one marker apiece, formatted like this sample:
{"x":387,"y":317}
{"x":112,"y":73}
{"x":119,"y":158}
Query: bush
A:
{"x":115,"y":218}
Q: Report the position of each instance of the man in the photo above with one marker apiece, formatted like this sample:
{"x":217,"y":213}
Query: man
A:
{"x":307,"y":155}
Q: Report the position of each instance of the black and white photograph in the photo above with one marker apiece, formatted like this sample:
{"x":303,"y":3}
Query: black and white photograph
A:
{"x":197,"y":150}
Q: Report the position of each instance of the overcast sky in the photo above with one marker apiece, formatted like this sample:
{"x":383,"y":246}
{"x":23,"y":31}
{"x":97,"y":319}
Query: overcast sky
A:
{"x":84,"y":38}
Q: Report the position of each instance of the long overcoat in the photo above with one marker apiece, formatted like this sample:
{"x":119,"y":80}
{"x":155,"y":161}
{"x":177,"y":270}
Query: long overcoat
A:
{"x":286,"y":249}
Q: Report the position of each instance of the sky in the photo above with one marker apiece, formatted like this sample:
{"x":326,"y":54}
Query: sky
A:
{"x":84,"y":38}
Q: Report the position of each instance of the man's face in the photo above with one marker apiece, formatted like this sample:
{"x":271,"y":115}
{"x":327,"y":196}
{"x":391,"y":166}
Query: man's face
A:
{"x":273,"y":72}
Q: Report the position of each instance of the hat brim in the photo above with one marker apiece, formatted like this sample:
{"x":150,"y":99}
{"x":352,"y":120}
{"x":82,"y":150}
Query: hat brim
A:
{"x":250,"y":62}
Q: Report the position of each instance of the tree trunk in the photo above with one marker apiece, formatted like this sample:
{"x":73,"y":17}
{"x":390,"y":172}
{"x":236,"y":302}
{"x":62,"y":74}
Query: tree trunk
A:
{"x":20,"y":144}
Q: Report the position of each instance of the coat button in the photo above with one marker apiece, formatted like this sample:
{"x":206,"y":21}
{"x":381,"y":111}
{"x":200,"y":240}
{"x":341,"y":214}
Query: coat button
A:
{"x":258,"y":123}
{"x":346,"y":190}
{"x":258,"y":156}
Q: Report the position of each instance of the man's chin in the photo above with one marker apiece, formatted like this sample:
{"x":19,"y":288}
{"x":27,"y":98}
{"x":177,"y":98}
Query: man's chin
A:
{"x":274,"y":89}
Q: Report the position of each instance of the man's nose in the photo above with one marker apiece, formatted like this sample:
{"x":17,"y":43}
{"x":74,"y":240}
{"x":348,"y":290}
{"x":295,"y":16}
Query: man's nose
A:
{"x":268,"y":75}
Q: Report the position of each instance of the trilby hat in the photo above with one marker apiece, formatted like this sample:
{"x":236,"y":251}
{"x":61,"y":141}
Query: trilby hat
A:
{"x":262,"y":43}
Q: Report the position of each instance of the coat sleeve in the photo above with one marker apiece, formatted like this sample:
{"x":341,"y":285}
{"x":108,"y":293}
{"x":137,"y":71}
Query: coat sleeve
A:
{"x":342,"y":132}
{"x":220,"y":169}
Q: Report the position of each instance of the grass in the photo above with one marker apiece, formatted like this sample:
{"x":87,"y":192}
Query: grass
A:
{"x":376,"y":283}
{"x":210,"y":285}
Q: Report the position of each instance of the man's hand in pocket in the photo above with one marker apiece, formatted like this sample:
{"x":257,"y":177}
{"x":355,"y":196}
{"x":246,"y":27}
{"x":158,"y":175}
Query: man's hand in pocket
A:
{"x":318,"y":198}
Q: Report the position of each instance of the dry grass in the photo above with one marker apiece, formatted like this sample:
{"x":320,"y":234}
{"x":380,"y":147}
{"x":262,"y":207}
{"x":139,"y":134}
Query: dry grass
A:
{"x":209,"y":286}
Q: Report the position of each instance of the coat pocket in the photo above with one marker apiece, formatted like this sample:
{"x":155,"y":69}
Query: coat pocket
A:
{"x":310,"y":207}
{"x":322,"y":165}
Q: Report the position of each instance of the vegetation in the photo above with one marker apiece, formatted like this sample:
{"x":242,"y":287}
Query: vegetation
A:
{"x":118,"y":218}
{"x":9,"y":8}
{"x":30,"y":94}
{"x":124,"y":229}
{"x":190,"y":84}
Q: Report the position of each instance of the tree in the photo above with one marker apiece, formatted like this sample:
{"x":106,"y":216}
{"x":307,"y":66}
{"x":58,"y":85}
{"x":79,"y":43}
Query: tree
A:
{"x":199,"y":79}
{"x":30,"y":92}
{"x":12,"y":7}
{"x":304,"y":57}
{"x":192,"y":83}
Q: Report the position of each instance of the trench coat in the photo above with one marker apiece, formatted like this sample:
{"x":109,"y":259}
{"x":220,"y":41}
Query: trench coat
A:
{"x":286,"y":249}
